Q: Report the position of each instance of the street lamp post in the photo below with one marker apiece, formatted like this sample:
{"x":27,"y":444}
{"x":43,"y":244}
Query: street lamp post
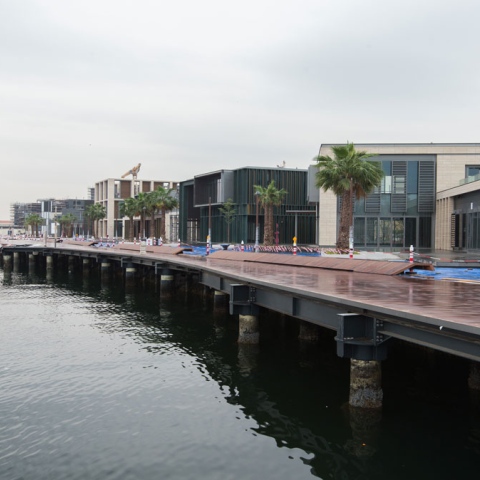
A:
{"x":257,"y":228}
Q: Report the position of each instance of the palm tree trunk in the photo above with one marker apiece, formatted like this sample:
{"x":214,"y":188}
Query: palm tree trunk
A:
{"x":162,"y":225}
{"x":268,"y":229}
{"x":346,"y":218}
{"x":130,"y":229}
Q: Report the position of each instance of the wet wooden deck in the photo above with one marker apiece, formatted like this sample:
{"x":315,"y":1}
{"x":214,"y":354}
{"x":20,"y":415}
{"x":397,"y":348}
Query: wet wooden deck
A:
{"x":435,"y":302}
{"x":451,"y":307}
{"x":378,"y":267}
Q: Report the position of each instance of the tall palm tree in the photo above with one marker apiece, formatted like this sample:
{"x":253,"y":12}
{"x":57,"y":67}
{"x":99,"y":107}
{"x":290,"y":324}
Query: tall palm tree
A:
{"x":128,"y":208}
{"x":268,"y":198}
{"x":34,"y":220}
{"x":67,"y":221}
{"x":152,"y":207}
{"x":142,"y":203}
{"x":165,"y":202}
{"x":95,"y":212}
{"x":348,"y":175}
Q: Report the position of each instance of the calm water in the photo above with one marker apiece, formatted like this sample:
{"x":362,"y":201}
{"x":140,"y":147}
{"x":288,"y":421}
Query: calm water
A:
{"x":100,"y":383}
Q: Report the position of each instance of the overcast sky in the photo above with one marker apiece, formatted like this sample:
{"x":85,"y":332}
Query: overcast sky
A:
{"x":90,"y":88}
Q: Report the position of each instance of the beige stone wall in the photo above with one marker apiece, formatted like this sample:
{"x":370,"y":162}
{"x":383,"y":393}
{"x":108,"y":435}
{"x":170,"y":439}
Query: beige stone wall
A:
{"x":327,"y":228}
{"x":444,"y":210}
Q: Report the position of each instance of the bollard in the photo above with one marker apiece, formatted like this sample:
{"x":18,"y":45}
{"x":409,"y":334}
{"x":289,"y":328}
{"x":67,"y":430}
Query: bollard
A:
{"x":242,"y":247}
{"x":208,"y":245}
{"x":179,"y":243}
{"x":411,"y":253}
{"x":294,"y":245}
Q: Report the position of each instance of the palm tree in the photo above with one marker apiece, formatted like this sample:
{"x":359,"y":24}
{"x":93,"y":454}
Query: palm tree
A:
{"x":228,"y":213}
{"x":165,"y":202}
{"x":269,"y":197}
{"x":128,"y":208}
{"x":142,"y":203}
{"x":152,"y":207}
{"x":34,"y":220}
{"x":67,"y":221}
{"x":349,"y":175}
{"x":95,"y":212}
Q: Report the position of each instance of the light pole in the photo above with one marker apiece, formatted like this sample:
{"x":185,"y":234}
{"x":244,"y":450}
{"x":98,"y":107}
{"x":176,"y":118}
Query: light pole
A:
{"x":257,"y":228}
{"x":143,"y":218}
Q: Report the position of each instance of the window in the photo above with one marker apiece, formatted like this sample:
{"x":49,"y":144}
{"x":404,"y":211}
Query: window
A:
{"x":399,"y":184}
{"x":472,"y":170}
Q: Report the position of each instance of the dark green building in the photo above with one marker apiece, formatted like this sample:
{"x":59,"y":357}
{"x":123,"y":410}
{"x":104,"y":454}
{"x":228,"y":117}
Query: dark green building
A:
{"x":201,"y":198}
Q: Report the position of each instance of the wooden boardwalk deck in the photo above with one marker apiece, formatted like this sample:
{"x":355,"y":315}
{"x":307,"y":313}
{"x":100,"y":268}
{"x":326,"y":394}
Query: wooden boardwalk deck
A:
{"x":445,"y":309}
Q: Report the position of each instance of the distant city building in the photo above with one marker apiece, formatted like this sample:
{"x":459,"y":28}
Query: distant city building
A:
{"x":113,"y":191}
{"x":49,"y":209}
{"x":20,"y":211}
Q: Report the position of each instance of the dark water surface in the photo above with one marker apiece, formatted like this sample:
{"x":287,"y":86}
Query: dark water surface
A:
{"x":101,"y":383}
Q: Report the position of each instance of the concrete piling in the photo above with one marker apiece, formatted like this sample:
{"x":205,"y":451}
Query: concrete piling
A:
{"x":248,"y":329}
{"x":365,"y":384}
{"x":308,"y":332}
{"x":474,"y":376}
{"x":166,"y":283}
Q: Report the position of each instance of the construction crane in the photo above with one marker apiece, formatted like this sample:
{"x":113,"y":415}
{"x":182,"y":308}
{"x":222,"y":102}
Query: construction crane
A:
{"x":133,"y":172}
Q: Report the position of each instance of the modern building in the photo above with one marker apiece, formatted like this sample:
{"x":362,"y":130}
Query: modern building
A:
{"x":20,"y":211}
{"x":50,"y":209}
{"x":202,"y":197}
{"x":113,"y":191}
{"x":429,"y":198}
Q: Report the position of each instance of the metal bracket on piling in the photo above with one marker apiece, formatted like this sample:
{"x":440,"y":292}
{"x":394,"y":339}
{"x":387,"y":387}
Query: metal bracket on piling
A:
{"x":159,"y":266}
{"x":358,"y":337}
{"x":242,"y":298}
{"x":124,"y":261}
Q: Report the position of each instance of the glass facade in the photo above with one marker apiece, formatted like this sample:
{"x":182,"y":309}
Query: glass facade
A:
{"x":398,"y":213}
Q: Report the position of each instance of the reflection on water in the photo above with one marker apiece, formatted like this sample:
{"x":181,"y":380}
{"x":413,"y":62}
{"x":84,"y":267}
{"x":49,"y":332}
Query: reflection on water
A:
{"x":103,"y":382}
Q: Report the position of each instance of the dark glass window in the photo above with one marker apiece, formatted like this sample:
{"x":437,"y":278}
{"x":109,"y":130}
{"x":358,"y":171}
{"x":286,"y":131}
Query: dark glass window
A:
{"x":410,"y":231}
{"x":412,"y":177}
{"x":425,"y":232}
{"x":471,"y":170}
{"x":359,"y":231}
{"x":372,"y":232}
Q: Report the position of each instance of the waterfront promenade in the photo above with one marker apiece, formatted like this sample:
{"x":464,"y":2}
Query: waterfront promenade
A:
{"x":439,"y":314}
{"x":441,"y":303}
{"x":365,"y":310}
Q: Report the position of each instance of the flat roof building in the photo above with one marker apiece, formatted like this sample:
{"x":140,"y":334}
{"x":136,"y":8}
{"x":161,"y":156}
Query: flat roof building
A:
{"x":428,"y":198}
{"x":112,"y":191}
{"x":202,"y":197}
